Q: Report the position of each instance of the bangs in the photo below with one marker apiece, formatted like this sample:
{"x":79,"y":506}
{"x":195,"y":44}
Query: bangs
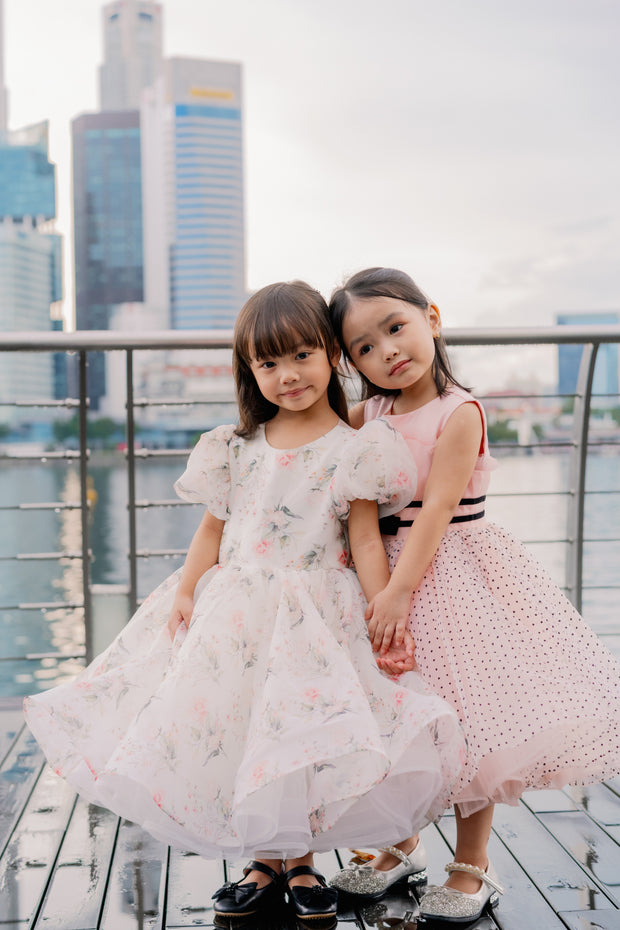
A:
{"x":282,"y":331}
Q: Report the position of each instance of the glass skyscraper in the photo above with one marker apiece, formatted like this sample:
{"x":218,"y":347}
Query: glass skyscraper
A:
{"x":30,"y":258}
{"x":605,"y":382}
{"x":132,"y":41}
{"x":107,"y":179}
{"x":192,"y":123}
{"x":107,"y":210}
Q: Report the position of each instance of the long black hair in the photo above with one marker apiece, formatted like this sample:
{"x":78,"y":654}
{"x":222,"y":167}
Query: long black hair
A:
{"x":387,"y":282}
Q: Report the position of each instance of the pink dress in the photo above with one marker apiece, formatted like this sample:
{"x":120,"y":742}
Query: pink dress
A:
{"x":537,"y":694}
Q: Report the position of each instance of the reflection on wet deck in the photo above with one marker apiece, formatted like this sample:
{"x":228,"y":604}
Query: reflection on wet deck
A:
{"x":67,"y":865}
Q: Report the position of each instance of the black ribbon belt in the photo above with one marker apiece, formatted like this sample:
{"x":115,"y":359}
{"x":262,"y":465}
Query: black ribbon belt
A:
{"x":390,"y":526}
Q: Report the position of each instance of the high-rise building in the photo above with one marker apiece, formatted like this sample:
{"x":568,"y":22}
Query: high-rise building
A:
{"x":132,"y":43}
{"x":605,"y":383}
{"x":107,"y":182}
{"x":107,"y":211}
{"x":30,"y":257}
{"x":192,"y":168}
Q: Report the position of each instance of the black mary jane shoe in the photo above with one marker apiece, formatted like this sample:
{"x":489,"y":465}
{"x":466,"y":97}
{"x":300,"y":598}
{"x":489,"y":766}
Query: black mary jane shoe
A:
{"x":237,"y":899}
{"x":315,"y":905}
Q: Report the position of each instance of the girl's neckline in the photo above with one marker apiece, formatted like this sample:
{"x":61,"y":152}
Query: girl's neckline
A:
{"x":408,"y":413}
{"x":304,"y":445}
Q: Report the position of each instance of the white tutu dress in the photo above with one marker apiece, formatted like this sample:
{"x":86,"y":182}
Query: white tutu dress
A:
{"x":267,"y":726}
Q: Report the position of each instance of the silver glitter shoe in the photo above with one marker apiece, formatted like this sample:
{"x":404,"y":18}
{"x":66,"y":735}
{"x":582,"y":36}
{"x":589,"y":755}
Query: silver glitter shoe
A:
{"x":372,"y":884}
{"x":458,"y":907}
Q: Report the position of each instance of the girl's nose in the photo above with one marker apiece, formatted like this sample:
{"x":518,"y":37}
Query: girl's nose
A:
{"x":289,"y":374}
{"x":389,"y":351}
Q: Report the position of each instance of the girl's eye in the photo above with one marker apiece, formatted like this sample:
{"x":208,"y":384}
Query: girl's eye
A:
{"x":267,"y":364}
{"x":364,"y":350}
{"x":302,"y":355}
{"x":395,"y":328}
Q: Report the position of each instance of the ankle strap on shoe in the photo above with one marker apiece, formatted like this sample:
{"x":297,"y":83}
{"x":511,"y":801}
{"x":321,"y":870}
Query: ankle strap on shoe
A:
{"x":255,"y":866}
{"x":398,"y":853}
{"x":477,"y":871}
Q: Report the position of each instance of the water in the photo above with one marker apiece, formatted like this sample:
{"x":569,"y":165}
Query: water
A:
{"x":536,"y":520}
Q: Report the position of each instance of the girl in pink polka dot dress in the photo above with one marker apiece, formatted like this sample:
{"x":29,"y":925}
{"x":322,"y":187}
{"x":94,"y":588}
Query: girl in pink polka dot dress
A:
{"x":537,"y":694}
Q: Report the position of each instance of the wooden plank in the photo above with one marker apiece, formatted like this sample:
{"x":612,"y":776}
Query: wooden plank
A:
{"x":614,"y":784}
{"x":75,"y":895}
{"x":586,"y":920}
{"x":134,"y":900}
{"x":549,"y":800}
{"x":11,"y":725}
{"x":556,"y":875}
{"x":29,"y":857}
{"x":191,"y":882}
{"x":18,"y":775}
{"x":590,"y":845}
{"x":599,"y":801}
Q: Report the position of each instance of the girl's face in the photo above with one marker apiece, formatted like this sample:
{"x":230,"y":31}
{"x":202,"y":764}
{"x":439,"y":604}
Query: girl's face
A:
{"x":391,"y":342}
{"x":296,"y":381}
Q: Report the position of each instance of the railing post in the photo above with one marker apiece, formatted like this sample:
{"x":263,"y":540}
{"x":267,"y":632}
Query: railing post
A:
{"x":131,"y":487}
{"x":84,"y":506}
{"x":577,"y":474}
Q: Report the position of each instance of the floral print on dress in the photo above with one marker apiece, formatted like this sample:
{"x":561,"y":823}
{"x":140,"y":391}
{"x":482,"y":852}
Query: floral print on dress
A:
{"x":267,"y":725}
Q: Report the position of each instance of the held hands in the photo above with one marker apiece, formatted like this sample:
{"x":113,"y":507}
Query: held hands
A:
{"x":181,"y":612}
{"x":387,"y":615}
{"x":399,"y":659}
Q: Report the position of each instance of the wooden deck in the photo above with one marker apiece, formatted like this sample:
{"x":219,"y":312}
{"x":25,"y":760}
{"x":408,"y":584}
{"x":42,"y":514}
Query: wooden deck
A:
{"x":67,"y":865}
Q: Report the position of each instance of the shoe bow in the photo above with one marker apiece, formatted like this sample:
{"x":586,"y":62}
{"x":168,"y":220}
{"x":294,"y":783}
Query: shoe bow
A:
{"x":240,"y":893}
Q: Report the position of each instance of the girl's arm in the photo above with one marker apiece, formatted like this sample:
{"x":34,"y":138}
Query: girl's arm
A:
{"x":356,"y":415}
{"x":373,"y":572}
{"x":453,"y":463}
{"x":202,"y":555}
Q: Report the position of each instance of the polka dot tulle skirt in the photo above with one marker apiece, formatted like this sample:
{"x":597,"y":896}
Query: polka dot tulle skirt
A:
{"x":537,"y":693}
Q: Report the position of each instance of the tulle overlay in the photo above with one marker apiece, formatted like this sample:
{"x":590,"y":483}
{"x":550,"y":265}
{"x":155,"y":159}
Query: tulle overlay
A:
{"x":536,"y":692}
{"x":267,"y":726}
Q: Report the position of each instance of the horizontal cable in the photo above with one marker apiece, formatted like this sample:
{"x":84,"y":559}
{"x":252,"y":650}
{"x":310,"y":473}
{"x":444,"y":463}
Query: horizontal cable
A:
{"x":36,"y":656}
{"x":40,"y":556}
{"x":43,"y":605}
{"x":48,"y":505}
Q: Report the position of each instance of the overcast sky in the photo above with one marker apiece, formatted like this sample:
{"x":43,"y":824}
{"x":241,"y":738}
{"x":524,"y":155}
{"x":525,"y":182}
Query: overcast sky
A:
{"x":473,"y":143}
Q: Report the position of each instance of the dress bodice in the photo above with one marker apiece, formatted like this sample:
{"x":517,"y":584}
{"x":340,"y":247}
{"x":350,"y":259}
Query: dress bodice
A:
{"x":422,"y":428}
{"x":287,"y":508}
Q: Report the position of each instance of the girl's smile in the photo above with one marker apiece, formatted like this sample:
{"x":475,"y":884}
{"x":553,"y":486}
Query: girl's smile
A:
{"x":295,"y":381}
{"x":391,"y":342}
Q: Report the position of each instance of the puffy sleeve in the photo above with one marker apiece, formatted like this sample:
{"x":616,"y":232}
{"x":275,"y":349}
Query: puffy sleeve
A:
{"x":206,"y":479}
{"x":376,"y":465}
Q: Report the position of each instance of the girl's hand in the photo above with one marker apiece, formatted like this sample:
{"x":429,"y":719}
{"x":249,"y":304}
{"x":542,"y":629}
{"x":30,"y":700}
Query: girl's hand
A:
{"x":399,"y":660}
{"x":387,"y":615}
{"x":181,"y":612}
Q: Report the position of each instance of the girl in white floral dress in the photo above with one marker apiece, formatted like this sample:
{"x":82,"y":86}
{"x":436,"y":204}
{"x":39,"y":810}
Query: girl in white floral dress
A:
{"x":241,"y":710}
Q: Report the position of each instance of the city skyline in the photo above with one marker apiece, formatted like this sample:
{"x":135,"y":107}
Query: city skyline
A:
{"x":476,"y":147}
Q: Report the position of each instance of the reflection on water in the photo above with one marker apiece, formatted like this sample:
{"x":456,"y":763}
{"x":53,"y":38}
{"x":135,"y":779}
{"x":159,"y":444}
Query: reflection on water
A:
{"x":538,"y":520}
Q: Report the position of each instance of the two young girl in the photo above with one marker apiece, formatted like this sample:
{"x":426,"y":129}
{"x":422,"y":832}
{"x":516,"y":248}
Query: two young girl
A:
{"x":241,"y":711}
{"x":537,"y":694}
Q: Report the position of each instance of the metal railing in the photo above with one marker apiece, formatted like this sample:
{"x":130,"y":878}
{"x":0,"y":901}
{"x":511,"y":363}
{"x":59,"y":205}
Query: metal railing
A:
{"x":84,"y":342}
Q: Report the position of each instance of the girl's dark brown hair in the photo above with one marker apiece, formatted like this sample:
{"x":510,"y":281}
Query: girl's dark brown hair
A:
{"x":387,"y":282}
{"x":275,"y":321}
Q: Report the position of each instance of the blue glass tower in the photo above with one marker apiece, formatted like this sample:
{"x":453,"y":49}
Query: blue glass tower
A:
{"x":107,"y":210}
{"x":30,"y":256}
{"x":194,"y":198}
{"x":207,"y":251}
{"x":605,"y":382}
